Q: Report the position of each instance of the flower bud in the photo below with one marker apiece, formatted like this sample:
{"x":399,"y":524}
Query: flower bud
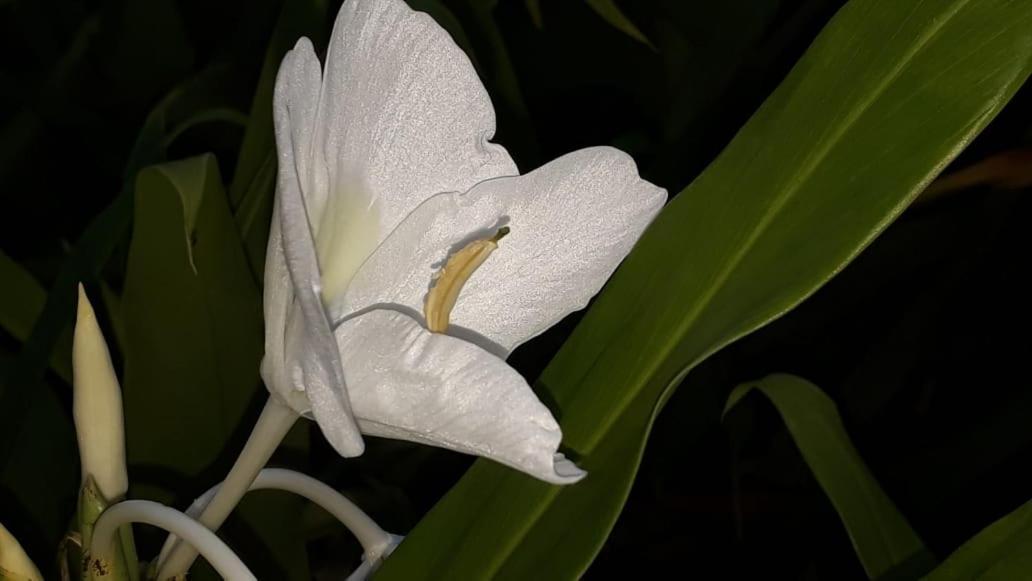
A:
{"x":97,"y":406}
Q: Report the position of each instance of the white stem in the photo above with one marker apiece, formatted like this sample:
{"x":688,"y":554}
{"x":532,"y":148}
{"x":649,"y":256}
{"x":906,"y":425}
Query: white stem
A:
{"x":376,"y":542}
{"x":272,"y":426}
{"x":362,"y":572}
{"x":221,"y":557}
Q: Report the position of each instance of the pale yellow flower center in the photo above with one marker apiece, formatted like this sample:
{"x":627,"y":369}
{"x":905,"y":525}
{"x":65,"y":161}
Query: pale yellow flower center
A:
{"x":348,"y":231}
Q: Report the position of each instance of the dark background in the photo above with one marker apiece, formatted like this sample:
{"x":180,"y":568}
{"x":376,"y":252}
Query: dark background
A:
{"x":920,"y":341}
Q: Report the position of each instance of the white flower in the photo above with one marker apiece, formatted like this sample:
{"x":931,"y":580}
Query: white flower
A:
{"x":386,"y":172}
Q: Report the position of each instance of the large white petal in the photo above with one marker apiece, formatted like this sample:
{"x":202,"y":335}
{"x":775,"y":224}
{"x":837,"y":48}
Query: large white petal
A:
{"x":301,"y":362}
{"x":409,"y":384}
{"x":402,"y":116}
{"x":571,"y":223}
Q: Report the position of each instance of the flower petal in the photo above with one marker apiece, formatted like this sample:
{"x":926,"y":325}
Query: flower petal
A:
{"x":571,"y":223}
{"x":300,"y":352}
{"x":402,"y":116}
{"x":410,"y":384}
{"x":298,"y":84}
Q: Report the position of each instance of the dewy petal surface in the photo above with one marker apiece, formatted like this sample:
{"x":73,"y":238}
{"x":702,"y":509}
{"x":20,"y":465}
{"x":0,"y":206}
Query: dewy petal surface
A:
{"x":407,"y":383}
{"x":300,"y":352}
{"x":571,"y":223}
{"x":402,"y":116}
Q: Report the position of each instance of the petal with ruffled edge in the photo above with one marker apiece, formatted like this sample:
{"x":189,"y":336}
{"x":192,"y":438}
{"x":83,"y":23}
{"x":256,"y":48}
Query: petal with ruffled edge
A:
{"x":571,"y":223}
{"x":402,"y":116}
{"x":409,"y":384}
{"x":300,"y":352}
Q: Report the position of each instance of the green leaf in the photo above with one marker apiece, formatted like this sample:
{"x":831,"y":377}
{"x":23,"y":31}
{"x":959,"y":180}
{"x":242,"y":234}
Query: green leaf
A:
{"x":193,"y":327}
{"x":191,"y":316}
{"x":611,"y":13}
{"x":885,"y":97}
{"x":881,"y":536}
{"x":21,"y":301}
{"x":1003,"y":550}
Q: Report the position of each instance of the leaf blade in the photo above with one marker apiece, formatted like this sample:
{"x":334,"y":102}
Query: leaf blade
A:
{"x":881,"y":536}
{"x":999,"y":551}
{"x":885,"y":97}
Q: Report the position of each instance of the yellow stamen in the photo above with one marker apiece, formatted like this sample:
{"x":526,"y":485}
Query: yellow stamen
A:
{"x":453,"y":275}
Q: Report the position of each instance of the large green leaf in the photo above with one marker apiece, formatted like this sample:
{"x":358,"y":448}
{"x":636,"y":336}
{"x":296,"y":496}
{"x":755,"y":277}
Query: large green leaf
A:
{"x":1003,"y":550}
{"x":881,"y":536}
{"x":885,"y":97}
{"x":193,"y":331}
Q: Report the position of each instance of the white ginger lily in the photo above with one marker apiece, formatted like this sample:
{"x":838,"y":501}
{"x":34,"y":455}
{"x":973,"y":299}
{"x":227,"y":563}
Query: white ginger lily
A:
{"x":389,"y":196}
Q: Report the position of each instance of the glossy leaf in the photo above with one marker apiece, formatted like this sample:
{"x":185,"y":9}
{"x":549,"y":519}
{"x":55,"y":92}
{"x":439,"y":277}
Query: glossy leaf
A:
{"x":1003,"y":550}
{"x":881,"y":536}
{"x":194,"y":340}
{"x":884,"y":98}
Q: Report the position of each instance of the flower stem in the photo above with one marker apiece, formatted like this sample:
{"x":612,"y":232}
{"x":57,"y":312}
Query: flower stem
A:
{"x":376,"y":543}
{"x":272,"y":426}
{"x":221,"y":557}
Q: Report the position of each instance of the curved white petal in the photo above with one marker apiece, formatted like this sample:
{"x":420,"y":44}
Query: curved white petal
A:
{"x":402,"y":116}
{"x":298,"y":84}
{"x":301,"y":363}
{"x":571,"y":223}
{"x":409,"y":384}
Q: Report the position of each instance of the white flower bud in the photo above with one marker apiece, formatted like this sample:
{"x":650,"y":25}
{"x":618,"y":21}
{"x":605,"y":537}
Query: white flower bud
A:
{"x":97,"y":406}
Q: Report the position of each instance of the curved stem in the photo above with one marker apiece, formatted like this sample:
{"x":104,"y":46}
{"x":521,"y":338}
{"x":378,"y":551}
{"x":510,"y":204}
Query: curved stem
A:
{"x":272,"y":426}
{"x":376,"y":542}
{"x":221,"y":557}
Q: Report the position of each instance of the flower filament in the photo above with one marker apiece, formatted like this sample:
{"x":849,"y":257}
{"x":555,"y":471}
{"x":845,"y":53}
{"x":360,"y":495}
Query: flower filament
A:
{"x":448,"y":281}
